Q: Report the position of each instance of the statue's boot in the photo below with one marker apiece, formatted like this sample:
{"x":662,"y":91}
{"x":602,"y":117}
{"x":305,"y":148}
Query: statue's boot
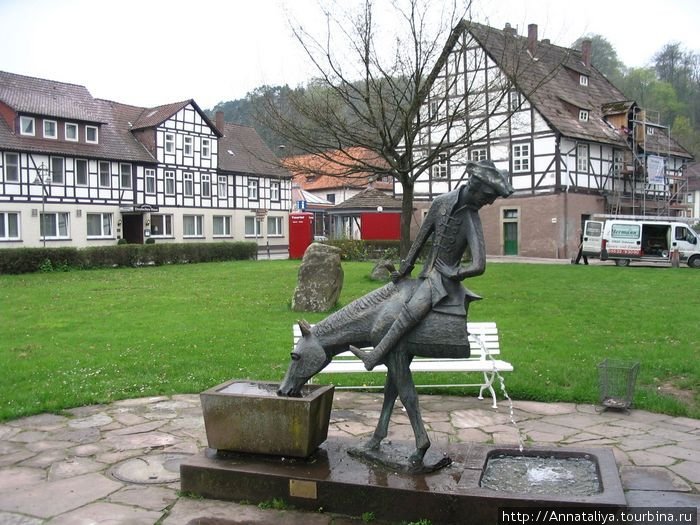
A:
{"x":400,"y":327}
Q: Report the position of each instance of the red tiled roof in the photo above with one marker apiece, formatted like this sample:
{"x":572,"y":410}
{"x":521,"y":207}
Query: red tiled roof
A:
{"x":337,"y":169}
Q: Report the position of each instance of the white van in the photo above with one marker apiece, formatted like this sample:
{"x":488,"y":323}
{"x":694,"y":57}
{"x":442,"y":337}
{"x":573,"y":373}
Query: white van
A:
{"x":626,"y":240}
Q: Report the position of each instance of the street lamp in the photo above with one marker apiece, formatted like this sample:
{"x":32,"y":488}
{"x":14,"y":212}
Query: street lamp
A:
{"x":43,"y":177}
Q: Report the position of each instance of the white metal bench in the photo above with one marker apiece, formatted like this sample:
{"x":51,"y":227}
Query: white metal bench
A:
{"x":484,"y":344}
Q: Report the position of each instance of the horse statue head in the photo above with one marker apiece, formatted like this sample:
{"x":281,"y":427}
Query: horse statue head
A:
{"x":308,"y":358}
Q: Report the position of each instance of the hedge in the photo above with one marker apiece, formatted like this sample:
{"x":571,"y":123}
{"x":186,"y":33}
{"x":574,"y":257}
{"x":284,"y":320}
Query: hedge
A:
{"x":357,"y":250}
{"x":27,"y":260}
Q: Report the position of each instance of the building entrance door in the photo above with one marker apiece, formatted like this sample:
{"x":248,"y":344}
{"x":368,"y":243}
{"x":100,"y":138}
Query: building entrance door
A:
{"x":132,"y":226}
{"x":510,"y":238}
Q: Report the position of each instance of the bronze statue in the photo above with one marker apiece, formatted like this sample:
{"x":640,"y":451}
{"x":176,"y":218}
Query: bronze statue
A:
{"x":410,"y":317}
{"x":453,"y":222}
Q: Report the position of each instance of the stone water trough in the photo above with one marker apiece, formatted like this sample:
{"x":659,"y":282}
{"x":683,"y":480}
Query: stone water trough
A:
{"x":248,"y":416}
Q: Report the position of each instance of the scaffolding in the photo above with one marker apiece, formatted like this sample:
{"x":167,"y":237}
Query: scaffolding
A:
{"x":647,"y":181}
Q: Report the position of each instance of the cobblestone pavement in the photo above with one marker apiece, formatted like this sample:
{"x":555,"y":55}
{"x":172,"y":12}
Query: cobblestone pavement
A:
{"x":118,"y":463}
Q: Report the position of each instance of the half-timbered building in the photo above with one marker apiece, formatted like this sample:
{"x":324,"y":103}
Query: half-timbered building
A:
{"x":80,"y":171}
{"x":573,"y":144}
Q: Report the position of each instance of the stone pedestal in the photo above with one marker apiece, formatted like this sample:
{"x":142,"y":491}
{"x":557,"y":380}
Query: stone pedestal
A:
{"x":333,"y":480}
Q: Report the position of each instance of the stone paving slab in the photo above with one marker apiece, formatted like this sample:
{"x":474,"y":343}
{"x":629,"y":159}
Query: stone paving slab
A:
{"x":56,"y":469}
{"x":51,"y":498}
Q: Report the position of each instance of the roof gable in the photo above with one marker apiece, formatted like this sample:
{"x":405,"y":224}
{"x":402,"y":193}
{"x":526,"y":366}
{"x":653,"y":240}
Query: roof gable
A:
{"x":550,"y":79}
{"x":153,"y":117}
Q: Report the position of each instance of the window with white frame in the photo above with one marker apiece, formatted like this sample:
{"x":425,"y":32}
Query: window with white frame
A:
{"x":513,"y":100}
{"x":26,"y":126}
{"x":221,"y":226}
{"x":9,"y":226}
{"x":440,"y":168}
{"x":125,"y":175}
{"x":170,"y":143}
{"x":91,"y":135}
{"x":583,"y":80}
{"x":57,"y":170}
{"x":170,"y":183}
{"x":161,"y":225}
{"x":275,"y":191}
{"x":583,"y":115}
{"x":188,"y":187}
{"x":520,"y":155}
{"x":54,"y":225}
{"x":192,"y":226}
{"x":104,"y":174}
{"x":478,"y":154}
{"x":99,"y":225}
{"x":187,"y":149}
{"x":71,"y":130}
{"x":11,"y":167}
{"x":206,"y":185}
{"x":252,"y":227}
{"x":650,"y":130}
{"x":81,"y":172}
{"x":582,"y":158}
{"x":274,"y":226}
{"x":150,"y":181}
{"x":253,"y":189}
{"x":50,"y":129}
{"x":221,"y":190}
{"x":206,"y":148}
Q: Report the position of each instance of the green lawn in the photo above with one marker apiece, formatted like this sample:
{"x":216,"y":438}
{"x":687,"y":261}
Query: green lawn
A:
{"x":76,"y":338}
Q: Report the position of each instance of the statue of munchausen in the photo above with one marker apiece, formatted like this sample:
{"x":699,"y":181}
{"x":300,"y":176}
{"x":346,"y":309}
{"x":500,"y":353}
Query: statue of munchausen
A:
{"x":410,"y":317}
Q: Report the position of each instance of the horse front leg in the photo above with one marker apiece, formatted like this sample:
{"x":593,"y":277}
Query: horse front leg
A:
{"x":382,"y":429}
{"x":403,"y":379}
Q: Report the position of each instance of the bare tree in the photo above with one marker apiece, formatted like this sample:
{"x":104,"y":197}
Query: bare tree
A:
{"x":391,"y":96}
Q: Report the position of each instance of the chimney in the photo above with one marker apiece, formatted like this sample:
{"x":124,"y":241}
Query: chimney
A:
{"x":532,"y":38}
{"x":219,"y":120}
{"x":508,"y":30}
{"x":586,"y":52}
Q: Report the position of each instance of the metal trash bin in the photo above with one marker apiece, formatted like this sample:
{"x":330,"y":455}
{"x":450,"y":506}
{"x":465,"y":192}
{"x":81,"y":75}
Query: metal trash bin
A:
{"x":616,"y":381}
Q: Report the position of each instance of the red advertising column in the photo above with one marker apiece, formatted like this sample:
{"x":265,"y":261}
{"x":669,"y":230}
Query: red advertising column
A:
{"x":301,"y":233}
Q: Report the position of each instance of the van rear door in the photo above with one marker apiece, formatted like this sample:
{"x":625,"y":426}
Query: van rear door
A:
{"x":592,"y":238}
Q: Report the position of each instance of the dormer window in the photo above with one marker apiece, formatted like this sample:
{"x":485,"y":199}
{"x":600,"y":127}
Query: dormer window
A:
{"x":583,"y":80}
{"x":26,"y":126}
{"x":650,"y":130}
{"x":50,"y":129}
{"x":91,"y":134}
{"x":583,"y":115}
{"x":71,"y":132}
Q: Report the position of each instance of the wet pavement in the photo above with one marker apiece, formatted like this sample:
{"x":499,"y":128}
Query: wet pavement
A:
{"x":119,"y":463}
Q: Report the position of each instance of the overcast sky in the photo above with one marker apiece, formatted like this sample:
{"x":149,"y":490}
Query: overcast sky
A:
{"x":153,"y":52}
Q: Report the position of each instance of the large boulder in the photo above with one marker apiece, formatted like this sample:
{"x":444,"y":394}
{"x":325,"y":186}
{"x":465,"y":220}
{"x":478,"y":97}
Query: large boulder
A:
{"x":320,"y":279}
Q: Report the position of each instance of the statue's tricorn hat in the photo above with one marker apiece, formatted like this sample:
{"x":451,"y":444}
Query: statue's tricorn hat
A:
{"x":485,"y":171}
